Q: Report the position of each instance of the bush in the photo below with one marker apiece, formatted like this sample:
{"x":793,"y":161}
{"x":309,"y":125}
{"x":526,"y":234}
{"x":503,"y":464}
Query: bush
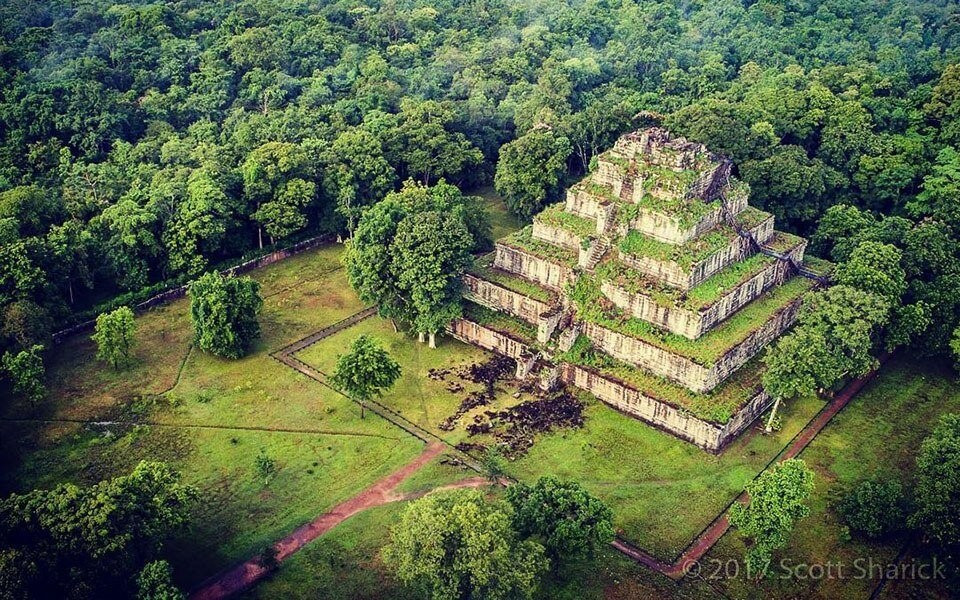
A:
{"x":874,"y":508}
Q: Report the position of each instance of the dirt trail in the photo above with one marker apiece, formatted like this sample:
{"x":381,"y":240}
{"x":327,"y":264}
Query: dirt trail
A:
{"x":384,"y":491}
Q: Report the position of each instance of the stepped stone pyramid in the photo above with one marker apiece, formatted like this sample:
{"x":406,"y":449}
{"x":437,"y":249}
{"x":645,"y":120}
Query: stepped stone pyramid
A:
{"x":654,"y":286}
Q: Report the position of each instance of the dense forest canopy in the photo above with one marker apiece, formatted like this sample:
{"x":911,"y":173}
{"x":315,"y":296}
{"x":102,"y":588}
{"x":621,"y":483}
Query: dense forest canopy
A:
{"x":145,"y":142}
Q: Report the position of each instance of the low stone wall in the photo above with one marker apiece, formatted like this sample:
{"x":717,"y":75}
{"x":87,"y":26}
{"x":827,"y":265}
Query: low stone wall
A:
{"x":693,"y":323}
{"x":672,"y":274}
{"x":555,"y":235}
{"x":548,"y":274}
{"x":682,"y":370}
{"x":473,"y":333}
{"x":499,"y":298}
{"x":666,"y":416}
{"x":175,"y":293}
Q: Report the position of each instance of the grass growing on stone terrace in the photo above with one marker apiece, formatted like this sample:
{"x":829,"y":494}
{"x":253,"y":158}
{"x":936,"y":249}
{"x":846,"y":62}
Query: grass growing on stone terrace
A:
{"x":483,"y":268}
{"x":706,"y":349}
{"x":525,"y":241}
{"x":555,"y":216}
{"x":718,"y":406}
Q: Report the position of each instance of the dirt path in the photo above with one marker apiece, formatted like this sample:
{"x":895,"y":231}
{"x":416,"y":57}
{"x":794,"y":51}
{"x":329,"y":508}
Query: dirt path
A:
{"x":384,"y":491}
{"x":705,"y":541}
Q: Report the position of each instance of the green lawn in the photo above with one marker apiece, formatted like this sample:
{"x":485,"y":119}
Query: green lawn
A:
{"x":238,"y":513}
{"x":877,"y":435}
{"x":647,"y":476}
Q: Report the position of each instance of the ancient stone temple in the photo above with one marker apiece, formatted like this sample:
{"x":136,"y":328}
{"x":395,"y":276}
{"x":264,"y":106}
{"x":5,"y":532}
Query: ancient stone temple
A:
{"x":654,"y":286}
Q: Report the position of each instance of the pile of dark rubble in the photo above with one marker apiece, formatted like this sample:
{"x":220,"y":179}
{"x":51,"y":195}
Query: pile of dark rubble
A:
{"x":514,"y":428}
{"x":487,"y":374}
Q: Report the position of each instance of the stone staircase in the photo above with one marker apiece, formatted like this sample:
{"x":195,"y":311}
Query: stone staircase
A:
{"x":591,"y":256}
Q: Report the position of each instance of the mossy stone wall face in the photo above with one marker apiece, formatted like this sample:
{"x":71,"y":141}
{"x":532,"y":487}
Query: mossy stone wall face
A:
{"x":682,"y":370}
{"x":674,"y":275}
{"x":694,"y":323}
{"x":473,"y":333}
{"x":665,"y":229}
{"x":707,"y":435}
{"x":581,"y":203}
{"x":555,"y":235}
{"x":548,"y":274}
{"x":499,"y":298}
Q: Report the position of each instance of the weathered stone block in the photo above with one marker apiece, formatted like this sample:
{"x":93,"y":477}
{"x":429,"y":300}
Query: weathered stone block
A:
{"x":683,"y":370}
{"x":499,"y":298}
{"x":543,"y":271}
{"x":555,"y":235}
{"x":707,"y":435}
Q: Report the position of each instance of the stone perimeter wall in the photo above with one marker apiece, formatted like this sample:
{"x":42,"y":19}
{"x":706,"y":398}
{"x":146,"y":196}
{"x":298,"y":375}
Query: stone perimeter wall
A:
{"x":682,"y":370}
{"x":672,"y":274}
{"x":499,"y":298}
{"x":692,"y":323}
{"x":548,"y":274}
{"x":678,"y":422}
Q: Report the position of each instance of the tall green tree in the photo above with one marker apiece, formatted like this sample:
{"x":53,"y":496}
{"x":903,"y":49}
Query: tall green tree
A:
{"x":155,"y":582}
{"x":836,"y":332}
{"x":276,"y":180}
{"x":409,"y":250}
{"x":937,"y":487}
{"x":90,"y":542}
{"x":357,"y":174}
{"x":530,"y":170}
{"x":570,"y":522}
{"x":777,"y":501}
{"x":457,"y":545}
{"x":26,"y":372}
{"x":365,"y":371}
{"x":432,"y":249}
{"x":114,"y":336}
{"x":224,"y":312}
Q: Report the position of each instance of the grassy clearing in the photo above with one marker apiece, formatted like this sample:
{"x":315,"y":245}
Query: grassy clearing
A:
{"x":345,"y":564}
{"x":877,"y":435}
{"x":663,"y":491}
{"x":425,"y":401}
{"x":238,"y":513}
{"x":502,"y":221}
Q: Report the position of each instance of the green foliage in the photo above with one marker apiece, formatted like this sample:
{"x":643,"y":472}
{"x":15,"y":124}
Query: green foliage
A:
{"x":366,"y":371}
{"x":874,"y":267}
{"x":266,"y":466}
{"x":571,"y":522}
{"x":409,"y":251}
{"x":777,"y":501}
{"x":530,"y":170}
{"x":113,"y":335}
{"x":224,"y":312}
{"x":25,"y":369}
{"x":155,"y":582}
{"x":937,"y":488}
{"x":836,"y":331}
{"x":458,"y":545}
{"x":874,"y":508}
{"x":92,"y":542}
